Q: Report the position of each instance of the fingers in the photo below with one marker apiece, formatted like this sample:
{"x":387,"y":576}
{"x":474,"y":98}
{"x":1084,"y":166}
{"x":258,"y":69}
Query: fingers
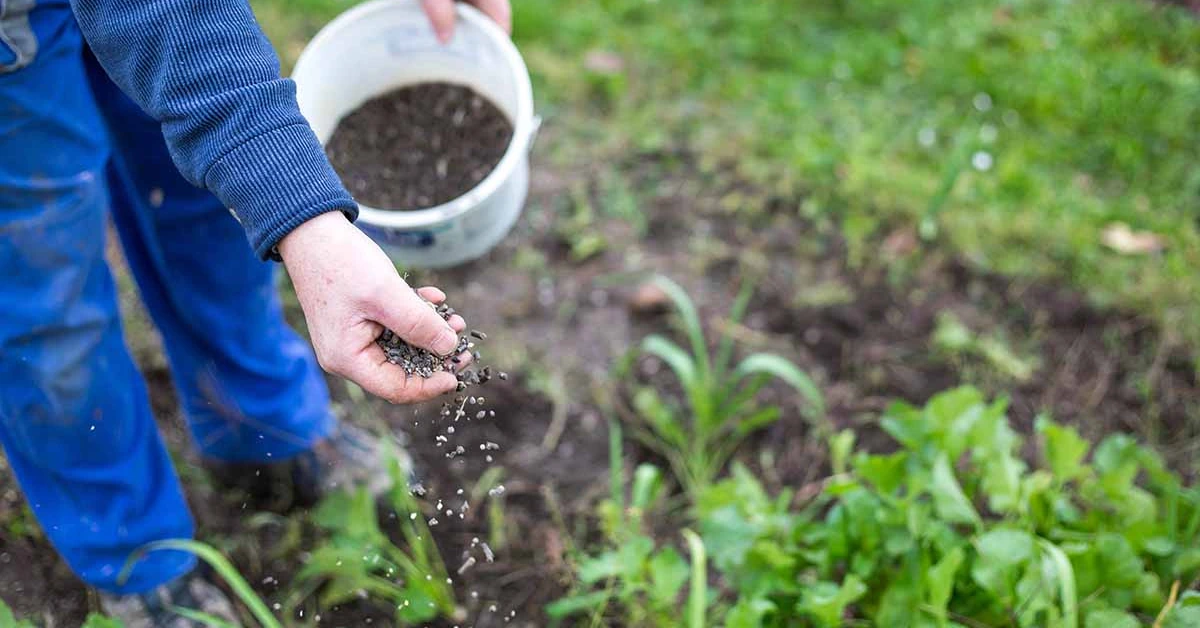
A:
{"x":436,"y":296}
{"x":441,"y":16}
{"x":499,"y":10}
{"x":411,"y":318}
{"x":388,"y":381}
{"x":432,"y":294}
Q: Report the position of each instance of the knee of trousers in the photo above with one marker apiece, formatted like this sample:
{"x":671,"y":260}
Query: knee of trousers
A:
{"x":67,"y":385}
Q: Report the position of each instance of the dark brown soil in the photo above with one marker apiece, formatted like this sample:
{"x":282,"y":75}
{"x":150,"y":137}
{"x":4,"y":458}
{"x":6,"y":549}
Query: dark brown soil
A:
{"x":418,"y":146}
{"x":557,"y":323}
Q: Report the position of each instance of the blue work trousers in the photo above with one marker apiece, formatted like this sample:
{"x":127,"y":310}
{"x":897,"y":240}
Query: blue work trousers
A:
{"x":75,"y":421}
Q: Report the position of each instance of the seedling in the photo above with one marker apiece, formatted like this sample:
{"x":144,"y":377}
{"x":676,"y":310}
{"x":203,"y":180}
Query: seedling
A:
{"x":721,"y":406}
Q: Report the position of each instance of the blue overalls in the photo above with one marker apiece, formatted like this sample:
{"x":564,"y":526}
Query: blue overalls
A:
{"x":75,"y":421}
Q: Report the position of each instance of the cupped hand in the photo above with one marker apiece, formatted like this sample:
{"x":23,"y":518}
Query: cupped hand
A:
{"x":349,"y":291}
{"x":441,"y":15}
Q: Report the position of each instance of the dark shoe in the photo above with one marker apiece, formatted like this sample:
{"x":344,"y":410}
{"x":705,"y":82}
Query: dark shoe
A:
{"x":350,"y":457}
{"x":156,"y":608}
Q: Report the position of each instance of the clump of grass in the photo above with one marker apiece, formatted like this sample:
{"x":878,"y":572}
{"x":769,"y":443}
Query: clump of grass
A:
{"x":721,"y":408}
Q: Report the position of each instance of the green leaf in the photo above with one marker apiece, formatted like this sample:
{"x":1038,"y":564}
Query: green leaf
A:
{"x":94,"y":620}
{"x":351,"y":515}
{"x":939,"y":582}
{"x":647,"y":486}
{"x":1116,"y":460}
{"x":790,"y":374}
{"x":681,"y":363}
{"x":221,"y":565}
{"x":1062,"y":448}
{"x":840,"y":448}
{"x":1110,"y":618}
{"x":651,"y":408}
{"x":633,"y":555}
{"x":749,"y":612}
{"x":1065,"y":576}
{"x":698,"y":595}
{"x":952,"y":415}
{"x":600,"y":567}
{"x":826,"y":602}
{"x":884,"y":472}
{"x":212,"y":621}
{"x":1002,"y":554}
{"x":1183,"y":617}
{"x":756,"y":421}
{"x":1186,"y":564}
{"x":668,"y":574}
{"x":898,"y":601}
{"x":728,"y":535}
{"x":689,"y":318}
{"x":8,"y":620}
{"x":575,"y":604}
{"x":949,"y":500}
{"x":905,"y":423}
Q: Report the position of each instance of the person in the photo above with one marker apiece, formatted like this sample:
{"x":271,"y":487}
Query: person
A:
{"x":171,"y":117}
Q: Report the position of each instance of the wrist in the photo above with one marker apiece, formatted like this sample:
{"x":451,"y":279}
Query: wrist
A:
{"x":311,"y":233}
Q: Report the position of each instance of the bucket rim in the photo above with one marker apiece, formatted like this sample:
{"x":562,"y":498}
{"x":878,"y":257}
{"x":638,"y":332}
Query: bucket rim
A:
{"x":524,"y":122}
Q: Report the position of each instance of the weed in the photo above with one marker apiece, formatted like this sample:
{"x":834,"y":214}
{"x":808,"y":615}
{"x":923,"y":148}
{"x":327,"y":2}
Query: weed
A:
{"x":722,"y":409}
{"x":640,"y":583}
{"x":358,"y":560}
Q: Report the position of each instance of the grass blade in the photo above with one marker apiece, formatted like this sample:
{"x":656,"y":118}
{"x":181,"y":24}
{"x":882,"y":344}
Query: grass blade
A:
{"x":204,"y":618}
{"x":221,"y":565}
{"x":698,"y":596}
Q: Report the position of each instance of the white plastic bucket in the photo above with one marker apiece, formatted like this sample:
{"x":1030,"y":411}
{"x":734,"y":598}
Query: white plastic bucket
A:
{"x":381,"y":45}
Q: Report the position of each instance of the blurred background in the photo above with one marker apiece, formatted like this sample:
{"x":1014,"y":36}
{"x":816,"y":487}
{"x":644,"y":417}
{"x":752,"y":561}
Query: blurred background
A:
{"x":912,"y":195}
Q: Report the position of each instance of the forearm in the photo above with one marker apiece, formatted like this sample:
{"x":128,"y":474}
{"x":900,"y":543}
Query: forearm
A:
{"x":205,"y":71}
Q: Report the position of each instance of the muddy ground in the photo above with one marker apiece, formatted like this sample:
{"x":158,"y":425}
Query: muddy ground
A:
{"x":554,"y":299}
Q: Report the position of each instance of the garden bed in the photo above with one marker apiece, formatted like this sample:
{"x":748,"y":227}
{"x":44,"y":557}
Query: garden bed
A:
{"x":904,"y":322}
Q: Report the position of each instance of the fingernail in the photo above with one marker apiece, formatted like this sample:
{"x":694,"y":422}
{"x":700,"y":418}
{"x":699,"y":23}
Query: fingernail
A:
{"x":443,"y":34}
{"x":446,"y":342}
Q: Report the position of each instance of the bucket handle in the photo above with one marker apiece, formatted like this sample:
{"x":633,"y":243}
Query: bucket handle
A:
{"x":533,"y":132}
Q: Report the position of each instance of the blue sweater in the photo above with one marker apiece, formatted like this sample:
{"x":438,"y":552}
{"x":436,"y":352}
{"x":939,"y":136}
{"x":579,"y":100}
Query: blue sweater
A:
{"x":204,"y":69}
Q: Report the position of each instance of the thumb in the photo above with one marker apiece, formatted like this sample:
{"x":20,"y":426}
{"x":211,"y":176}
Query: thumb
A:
{"x":415,"y":321}
{"x":441,"y":16}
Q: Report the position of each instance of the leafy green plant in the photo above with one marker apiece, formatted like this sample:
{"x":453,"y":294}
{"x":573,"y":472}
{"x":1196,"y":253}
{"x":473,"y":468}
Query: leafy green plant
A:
{"x":721,"y":408}
{"x":955,"y":529}
{"x":630,"y":578}
{"x":357,"y":559}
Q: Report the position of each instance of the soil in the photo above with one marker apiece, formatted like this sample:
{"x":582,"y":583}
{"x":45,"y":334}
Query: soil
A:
{"x":557,"y":323}
{"x":418,"y":146}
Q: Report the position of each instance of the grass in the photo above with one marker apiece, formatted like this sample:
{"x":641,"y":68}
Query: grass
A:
{"x":878,"y":114}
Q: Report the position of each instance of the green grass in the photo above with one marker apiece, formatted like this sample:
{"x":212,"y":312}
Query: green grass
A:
{"x":1090,"y":113}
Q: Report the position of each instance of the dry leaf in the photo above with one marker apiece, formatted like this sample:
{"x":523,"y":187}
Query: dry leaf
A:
{"x":603,"y":62}
{"x":1120,"y":238}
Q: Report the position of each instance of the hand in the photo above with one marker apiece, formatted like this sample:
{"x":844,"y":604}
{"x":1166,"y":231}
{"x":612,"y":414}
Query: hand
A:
{"x":441,"y":14}
{"x":350,"y":291}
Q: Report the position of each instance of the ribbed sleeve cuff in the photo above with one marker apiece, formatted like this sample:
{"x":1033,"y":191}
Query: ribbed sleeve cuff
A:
{"x":275,"y":182}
